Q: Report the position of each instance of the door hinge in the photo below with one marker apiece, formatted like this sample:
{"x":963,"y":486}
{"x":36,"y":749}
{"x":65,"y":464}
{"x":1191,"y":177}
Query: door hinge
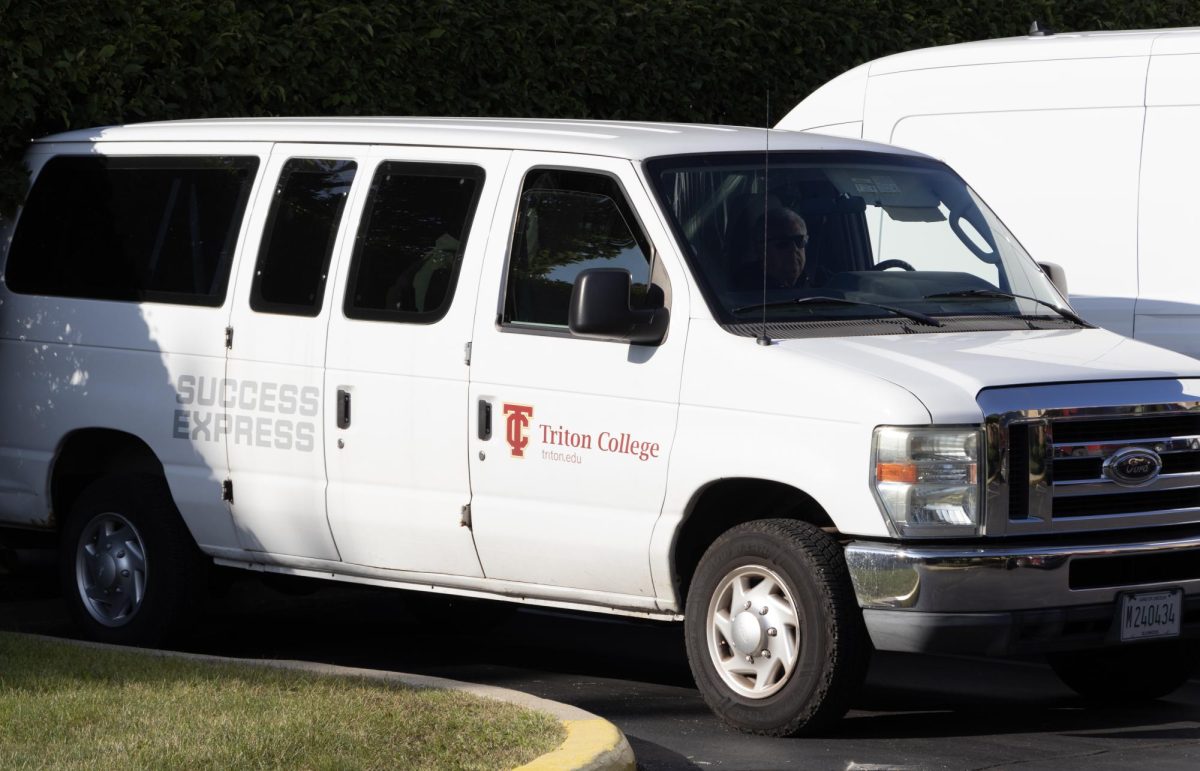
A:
{"x":466,"y":516}
{"x":229,"y":337}
{"x":467,"y":354}
{"x":227,"y":490}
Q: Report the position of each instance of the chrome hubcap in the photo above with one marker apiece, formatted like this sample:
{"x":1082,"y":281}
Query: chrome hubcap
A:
{"x":754,"y":631}
{"x":748,"y":633}
{"x":110,"y":569}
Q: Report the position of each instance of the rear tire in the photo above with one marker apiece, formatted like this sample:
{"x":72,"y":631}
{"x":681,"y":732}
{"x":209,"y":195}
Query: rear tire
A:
{"x":130,"y":571}
{"x":1130,"y":673}
{"x":775,"y":638}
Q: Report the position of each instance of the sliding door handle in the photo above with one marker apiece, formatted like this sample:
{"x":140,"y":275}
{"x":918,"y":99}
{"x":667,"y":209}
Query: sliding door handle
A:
{"x":343,"y":408}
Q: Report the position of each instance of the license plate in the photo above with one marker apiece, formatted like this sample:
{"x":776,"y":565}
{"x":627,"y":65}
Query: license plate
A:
{"x":1151,"y":614}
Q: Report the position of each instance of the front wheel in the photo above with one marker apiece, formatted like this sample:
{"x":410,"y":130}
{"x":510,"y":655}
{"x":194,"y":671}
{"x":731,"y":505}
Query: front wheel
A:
{"x":131,"y":573}
{"x":1130,"y":673}
{"x":775,"y":639}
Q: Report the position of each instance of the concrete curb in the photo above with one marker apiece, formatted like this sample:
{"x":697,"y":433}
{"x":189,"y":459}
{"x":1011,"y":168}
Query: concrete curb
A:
{"x":592,"y":743}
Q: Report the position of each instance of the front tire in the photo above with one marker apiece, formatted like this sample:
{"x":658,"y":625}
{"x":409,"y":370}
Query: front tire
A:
{"x":1131,"y":673}
{"x":130,"y":572}
{"x":774,"y":635}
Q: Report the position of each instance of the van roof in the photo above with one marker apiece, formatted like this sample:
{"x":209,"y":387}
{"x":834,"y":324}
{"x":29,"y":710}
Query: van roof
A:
{"x":622,"y":139}
{"x":1060,"y":45}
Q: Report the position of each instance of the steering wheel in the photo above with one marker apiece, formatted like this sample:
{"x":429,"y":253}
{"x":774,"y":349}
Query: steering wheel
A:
{"x":893,"y":264}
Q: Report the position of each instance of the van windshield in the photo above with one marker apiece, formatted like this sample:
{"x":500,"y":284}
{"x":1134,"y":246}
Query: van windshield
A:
{"x":814,"y":238}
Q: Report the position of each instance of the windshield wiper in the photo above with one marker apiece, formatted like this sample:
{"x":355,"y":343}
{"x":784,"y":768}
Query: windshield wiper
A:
{"x":996,"y":293}
{"x":920,"y":318}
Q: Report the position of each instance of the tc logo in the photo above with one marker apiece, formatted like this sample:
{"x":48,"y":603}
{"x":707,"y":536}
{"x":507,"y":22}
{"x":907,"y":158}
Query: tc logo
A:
{"x":517,"y":418}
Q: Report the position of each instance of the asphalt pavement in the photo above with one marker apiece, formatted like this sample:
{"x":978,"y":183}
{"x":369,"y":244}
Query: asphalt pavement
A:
{"x":918,"y":712}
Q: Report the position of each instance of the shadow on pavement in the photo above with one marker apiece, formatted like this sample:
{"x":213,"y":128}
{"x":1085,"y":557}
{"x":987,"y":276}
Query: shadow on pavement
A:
{"x":920,"y":710}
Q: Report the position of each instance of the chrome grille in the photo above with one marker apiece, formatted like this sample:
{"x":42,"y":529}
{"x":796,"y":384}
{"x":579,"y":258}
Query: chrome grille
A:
{"x":1045,"y":470}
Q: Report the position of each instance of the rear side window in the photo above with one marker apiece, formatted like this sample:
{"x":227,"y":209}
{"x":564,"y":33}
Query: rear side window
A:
{"x":157,"y":229}
{"x":570,"y":221}
{"x":298,"y":241}
{"x":411,"y":241}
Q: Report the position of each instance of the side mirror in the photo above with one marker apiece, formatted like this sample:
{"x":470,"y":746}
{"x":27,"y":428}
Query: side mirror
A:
{"x":600,"y":309}
{"x":1057,"y":276}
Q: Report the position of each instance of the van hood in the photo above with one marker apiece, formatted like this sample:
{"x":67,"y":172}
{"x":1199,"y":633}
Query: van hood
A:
{"x":947,"y":371}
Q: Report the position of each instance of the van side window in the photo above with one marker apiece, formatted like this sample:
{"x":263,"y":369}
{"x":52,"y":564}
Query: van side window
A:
{"x":159,"y":229}
{"x":411,"y":241}
{"x":298,"y":240}
{"x":567,"y":222}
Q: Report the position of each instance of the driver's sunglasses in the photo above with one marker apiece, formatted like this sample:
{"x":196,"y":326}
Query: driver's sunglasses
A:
{"x":797,"y":241}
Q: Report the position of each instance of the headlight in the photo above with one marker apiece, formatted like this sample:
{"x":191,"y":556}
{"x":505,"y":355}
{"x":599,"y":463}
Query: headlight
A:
{"x":927,"y":479}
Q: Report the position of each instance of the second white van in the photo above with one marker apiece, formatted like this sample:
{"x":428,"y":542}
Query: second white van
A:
{"x":1084,"y":144}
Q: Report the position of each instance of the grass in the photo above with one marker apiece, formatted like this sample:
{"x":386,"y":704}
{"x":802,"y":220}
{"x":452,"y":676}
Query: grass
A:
{"x":64,"y":706}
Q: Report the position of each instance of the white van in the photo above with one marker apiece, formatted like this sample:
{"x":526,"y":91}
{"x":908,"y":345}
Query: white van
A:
{"x":1084,"y":144}
{"x":808,"y":406}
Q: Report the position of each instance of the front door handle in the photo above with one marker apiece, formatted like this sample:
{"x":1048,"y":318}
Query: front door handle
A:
{"x":485,"y":419}
{"x":343,"y":408}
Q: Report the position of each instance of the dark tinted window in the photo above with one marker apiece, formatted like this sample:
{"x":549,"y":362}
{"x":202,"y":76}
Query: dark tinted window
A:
{"x":159,"y":229}
{"x":570,"y":221}
{"x":298,"y":240}
{"x":411,"y":241}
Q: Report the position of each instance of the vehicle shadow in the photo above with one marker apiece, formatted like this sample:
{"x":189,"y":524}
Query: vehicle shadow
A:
{"x":635,"y":673}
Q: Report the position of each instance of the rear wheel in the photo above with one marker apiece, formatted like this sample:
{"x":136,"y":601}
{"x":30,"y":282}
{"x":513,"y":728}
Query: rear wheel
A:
{"x":774,"y":635}
{"x":1129,"y":673}
{"x":130,"y":571}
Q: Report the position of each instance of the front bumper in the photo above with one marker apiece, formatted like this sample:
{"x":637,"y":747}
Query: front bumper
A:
{"x":1001,"y":600}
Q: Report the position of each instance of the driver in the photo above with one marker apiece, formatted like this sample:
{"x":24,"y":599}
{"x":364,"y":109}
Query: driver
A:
{"x":783,"y":253}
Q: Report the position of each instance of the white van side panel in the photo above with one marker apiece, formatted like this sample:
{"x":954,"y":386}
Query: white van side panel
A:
{"x":984,"y":119}
{"x":100,"y":364}
{"x":1168,"y":306}
{"x":560,"y":469}
{"x":1055,"y":219}
{"x":398,"y":474}
{"x":277,"y":453}
{"x":61,"y":388}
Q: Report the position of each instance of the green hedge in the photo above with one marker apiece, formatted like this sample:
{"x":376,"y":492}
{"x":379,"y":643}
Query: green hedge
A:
{"x":78,"y":63}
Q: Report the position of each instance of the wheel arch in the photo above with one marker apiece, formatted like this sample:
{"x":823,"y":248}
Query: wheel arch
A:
{"x":87,"y":454}
{"x":726,"y":503}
